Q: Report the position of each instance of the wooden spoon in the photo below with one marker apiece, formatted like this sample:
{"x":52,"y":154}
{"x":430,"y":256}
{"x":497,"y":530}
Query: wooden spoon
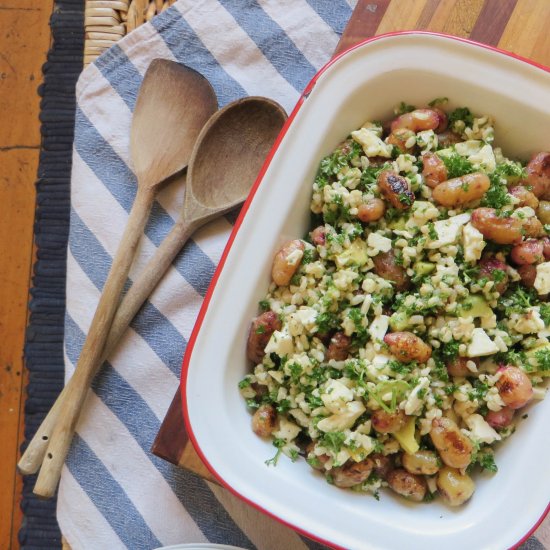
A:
{"x":173,"y":104}
{"x":255,"y":122}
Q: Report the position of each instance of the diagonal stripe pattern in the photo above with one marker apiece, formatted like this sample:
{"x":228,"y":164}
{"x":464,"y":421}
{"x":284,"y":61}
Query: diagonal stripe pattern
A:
{"x":128,"y":497}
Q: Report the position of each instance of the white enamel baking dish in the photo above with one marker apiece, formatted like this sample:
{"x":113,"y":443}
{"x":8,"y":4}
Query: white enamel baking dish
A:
{"x":362,"y":84}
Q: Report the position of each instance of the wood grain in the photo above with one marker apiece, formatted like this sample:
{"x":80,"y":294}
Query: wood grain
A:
{"x":527,"y":33}
{"x":24,"y":41}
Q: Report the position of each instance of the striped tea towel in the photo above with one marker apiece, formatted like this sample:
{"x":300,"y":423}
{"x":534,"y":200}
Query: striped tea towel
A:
{"x":114,"y":493}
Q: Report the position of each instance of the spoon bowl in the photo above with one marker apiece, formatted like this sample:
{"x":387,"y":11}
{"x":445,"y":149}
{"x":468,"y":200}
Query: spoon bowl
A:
{"x":232,"y":148}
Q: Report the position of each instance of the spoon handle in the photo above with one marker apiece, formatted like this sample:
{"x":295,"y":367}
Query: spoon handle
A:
{"x":92,"y":350}
{"x":140,"y":290}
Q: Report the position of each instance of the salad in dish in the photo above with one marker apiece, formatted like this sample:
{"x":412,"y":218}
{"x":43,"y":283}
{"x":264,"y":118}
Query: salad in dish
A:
{"x":402,"y":337}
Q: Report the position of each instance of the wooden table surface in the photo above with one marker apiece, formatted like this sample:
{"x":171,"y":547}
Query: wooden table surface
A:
{"x":24,"y":42}
{"x":520,"y":26}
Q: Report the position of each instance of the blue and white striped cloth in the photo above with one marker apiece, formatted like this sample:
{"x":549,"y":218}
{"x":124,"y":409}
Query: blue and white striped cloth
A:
{"x":114,"y":493}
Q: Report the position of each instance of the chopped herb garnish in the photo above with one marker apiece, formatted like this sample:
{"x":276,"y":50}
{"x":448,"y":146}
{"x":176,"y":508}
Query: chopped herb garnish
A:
{"x":438,"y":101}
{"x":244,"y":383}
{"x":545,"y":313}
{"x":279,"y":443}
{"x":432,"y":232}
{"x":333,"y":441}
{"x":542,"y":357}
{"x":497,"y":195}
{"x":462,"y":113}
{"x":309,"y":256}
{"x":457,"y":165}
{"x":403,"y":108}
{"x":327,"y":321}
{"x":449,"y":350}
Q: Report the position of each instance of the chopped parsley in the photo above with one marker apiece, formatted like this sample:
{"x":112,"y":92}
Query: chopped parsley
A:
{"x":517,"y":300}
{"x":310,"y":255}
{"x":313,"y":461}
{"x":486,"y":460}
{"x":432,"y":232}
{"x":542,"y":357}
{"x":405,"y":198}
{"x":369,"y":177}
{"x":497,"y":195}
{"x":449,"y":350}
{"x":545,"y":313}
{"x":403,"y":108}
{"x":479,"y":391}
{"x":283,"y":406}
{"x":457,"y":165}
{"x":333,"y":441}
{"x":401,"y":368}
{"x":462,"y":113}
{"x":438,"y":101}
{"x":244,"y":383}
{"x":510,"y":170}
{"x":295,"y":371}
{"x":361,"y":333}
{"x":279,"y":443}
{"x":264,"y":305}
{"x":327,"y":321}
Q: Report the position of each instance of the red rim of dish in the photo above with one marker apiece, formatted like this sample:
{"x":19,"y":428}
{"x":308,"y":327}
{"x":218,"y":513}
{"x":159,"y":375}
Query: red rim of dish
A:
{"x":244,"y":210}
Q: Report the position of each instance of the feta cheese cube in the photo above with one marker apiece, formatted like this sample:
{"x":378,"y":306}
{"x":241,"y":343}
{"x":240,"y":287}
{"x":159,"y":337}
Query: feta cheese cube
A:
{"x":280,"y":343}
{"x":480,"y":430}
{"x":344,"y":420}
{"x":371,"y":143}
{"x":335,"y":396}
{"x":427,"y":140}
{"x":473,"y":243}
{"x":414,"y":403}
{"x":307,"y":317}
{"x":381,"y":243}
{"x":287,"y":430}
{"x":448,"y":230}
{"x":379,"y":327}
{"x":542,"y":280}
{"x":484,"y":158}
{"x":481,"y":344}
{"x":526,"y":323}
{"x":468,"y":148}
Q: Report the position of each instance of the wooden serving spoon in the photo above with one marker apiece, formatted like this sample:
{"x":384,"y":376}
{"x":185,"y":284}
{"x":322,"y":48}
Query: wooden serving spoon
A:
{"x":241,"y":134}
{"x":173,"y":104}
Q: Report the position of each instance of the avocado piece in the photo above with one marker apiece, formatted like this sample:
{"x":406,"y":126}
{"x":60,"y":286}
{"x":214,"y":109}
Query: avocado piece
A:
{"x":399,"y":321}
{"x":406,"y":438}
{"x":356,"y":254}
{"x":474,"y":306}
{"x":423,"y":268}
{"x":531,"y":354}
{"x":398,"y":224}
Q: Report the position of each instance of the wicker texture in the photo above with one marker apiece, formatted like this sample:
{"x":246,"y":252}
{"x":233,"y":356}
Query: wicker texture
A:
{"x":107,"y":21}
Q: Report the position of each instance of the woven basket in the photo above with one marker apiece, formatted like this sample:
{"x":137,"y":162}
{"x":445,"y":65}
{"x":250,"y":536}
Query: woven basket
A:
{"x":107,"y":21}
